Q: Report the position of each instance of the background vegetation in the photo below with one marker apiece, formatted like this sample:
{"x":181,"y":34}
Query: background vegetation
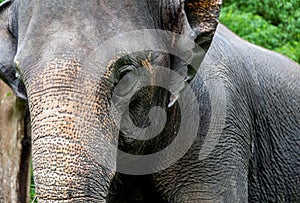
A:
{"x":273,"y":24}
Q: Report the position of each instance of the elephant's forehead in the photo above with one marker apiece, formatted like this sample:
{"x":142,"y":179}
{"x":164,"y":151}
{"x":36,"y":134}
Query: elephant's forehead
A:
{"x":77,"y":26}
{"x":106,"y":15}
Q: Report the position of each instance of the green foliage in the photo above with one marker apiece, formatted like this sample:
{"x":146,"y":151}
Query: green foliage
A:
{"x":291,"y":49}
{"x":1,"y":1}
{"x":32,"y":188}
{"x":251,"y":27}
{"x":274,"y":11}
{"x":8,"y":94}
{"x":271,"y":24}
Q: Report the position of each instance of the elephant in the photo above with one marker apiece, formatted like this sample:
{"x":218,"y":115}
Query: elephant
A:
{"x":151,"y":101}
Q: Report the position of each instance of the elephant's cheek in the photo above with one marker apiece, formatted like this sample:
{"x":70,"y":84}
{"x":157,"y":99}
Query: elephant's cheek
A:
{"x":74,"y":146}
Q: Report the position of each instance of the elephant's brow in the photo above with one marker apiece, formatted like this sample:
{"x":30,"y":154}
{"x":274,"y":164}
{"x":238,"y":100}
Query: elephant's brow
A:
{"x":136,"y":59}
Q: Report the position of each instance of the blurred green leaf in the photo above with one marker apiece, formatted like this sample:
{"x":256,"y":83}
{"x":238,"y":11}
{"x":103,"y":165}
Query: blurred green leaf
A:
{"x":8,"y":94}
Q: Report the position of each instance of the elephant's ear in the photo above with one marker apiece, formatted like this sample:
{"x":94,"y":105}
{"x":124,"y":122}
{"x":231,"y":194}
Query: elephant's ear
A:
{"x":203,"y":18}
{"x":8,"y":48}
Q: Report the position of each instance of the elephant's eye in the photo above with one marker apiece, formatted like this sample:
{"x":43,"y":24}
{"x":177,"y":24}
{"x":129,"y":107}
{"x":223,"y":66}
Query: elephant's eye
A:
{"x":125,"y":70}
{"x":126,"y":79}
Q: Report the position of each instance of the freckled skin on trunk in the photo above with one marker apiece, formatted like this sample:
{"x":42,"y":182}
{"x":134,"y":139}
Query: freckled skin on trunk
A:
{"x":69,"y":121}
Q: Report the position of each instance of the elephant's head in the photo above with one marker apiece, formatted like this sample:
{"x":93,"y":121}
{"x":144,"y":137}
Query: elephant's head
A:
{"x":50,"y":55}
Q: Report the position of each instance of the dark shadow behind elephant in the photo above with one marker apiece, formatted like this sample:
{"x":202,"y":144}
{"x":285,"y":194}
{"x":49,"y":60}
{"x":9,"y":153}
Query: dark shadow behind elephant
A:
{"x":47,"y":59}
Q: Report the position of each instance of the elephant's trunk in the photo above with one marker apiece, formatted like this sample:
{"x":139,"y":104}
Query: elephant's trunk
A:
{"x":74,"y":144}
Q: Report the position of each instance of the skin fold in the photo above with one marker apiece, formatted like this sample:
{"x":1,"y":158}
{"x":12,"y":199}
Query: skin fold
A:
{"x":48,"y":58}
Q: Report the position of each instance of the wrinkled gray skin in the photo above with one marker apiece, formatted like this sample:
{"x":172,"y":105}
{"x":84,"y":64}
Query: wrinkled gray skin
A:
{"x":257,"y":158}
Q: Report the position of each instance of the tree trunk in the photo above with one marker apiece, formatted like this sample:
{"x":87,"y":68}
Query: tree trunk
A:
{"x":15,"y":148}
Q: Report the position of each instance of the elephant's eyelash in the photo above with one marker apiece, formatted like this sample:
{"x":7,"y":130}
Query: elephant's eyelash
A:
{"x":126,"y":60}
{"x":132,"y":61}
{"x":8,"y":28}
